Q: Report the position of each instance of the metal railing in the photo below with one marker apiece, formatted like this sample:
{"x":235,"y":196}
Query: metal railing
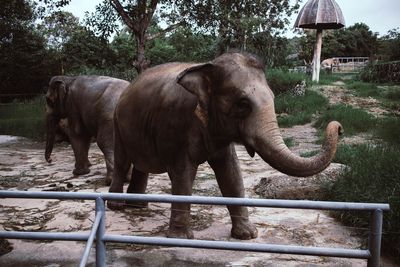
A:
{"x":98,"y":231}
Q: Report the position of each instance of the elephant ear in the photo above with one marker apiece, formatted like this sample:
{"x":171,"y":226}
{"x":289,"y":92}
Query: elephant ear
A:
{"x":198,"y":81}
{"x":60,"y":90}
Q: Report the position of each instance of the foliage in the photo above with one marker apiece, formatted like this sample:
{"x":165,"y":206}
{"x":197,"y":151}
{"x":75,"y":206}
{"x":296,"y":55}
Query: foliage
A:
{"x":236,"y":22}
{"x":24,"y":118}
{"x":25,"y":63}
{"x":353,"y":120}
{"x":295,"y":110}
{"x":371,"y":176}
{"x":85,"y":50}
{"x":389,"y":45}
{"x":281,"y":81}
{"x":382,"y":72}
{"x":354,"y":41}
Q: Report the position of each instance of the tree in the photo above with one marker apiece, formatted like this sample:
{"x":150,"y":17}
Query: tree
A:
{"x":354,"y":41}
{"x":25,"y":63}
{"x":136,"y":15}
{"x":235,"y":22}
{"x":389,"y":45}
{"x":57,"y":28}
{"x":85,"y":50}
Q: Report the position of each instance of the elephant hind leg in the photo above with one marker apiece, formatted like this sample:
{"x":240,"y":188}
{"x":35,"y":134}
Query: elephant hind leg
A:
{"x":121,"y":168}
{"x":137,"y":185}
{"x":80,"y":145}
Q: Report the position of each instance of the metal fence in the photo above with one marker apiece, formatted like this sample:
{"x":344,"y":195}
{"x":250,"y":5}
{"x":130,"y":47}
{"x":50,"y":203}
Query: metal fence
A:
{"x":98,"y":231}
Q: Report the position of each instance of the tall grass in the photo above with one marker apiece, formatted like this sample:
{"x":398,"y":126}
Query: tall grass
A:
{"x":388,"y":129}
{"x":281,"y":81}
{"x":353,"y":120}
{"x":372,"y":175}
{"x":299,"y":110}
{"x":25,"y":118}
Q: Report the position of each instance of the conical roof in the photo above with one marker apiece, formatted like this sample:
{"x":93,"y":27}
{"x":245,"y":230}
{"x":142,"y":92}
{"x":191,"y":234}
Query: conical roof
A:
{"x":320,"y":14}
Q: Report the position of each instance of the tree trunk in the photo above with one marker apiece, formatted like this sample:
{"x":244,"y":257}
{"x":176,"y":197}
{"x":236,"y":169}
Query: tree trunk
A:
{"x":141,"y":63}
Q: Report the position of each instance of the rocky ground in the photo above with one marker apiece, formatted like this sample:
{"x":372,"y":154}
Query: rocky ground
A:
{"x":22,"y":167}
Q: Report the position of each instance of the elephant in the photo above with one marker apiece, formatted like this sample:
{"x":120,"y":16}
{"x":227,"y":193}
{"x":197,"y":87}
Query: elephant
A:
{"x":84,"y":105}
{"x":177,"y":116}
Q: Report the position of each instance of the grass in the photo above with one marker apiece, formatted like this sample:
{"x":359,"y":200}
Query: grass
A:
{"x":281,"y":81}
{"x":328,"y":78}
{"x":289,"y":141}
{"x":298,"y":110}
{"x":353,"y":120}
{"x":388,"y":130}
{"x":372,"y":175}
{"x":25,"y":118}
{"x":364,"y":89}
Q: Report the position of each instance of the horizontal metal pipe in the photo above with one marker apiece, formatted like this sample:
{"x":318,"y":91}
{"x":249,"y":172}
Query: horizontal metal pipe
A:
{"x":272,"y":203}
{"x":91,"y":238}
{"x":44,"y":236}
{"x":255,"y":247}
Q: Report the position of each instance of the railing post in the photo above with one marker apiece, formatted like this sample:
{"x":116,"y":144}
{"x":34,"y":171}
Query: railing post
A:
{"x":100,"y":244}
{"x":375,"y":236}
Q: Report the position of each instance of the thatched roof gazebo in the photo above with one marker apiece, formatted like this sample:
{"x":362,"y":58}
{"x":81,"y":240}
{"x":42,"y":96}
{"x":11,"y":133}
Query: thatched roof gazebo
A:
{"x":319,"y":15}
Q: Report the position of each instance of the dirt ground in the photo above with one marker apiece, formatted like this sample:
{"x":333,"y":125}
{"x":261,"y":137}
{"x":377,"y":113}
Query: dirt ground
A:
{"x":22,"y":167}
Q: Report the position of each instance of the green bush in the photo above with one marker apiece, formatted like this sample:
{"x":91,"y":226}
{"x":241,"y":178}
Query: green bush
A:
{"x":353,"y":120}
{"x":372,"y":175}
{"x":26,"y":118}
{"x":388,"y":72}
{"x":281,"y":81}
{"x":298,"y":110}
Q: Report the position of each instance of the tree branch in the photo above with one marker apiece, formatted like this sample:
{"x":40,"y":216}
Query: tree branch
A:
{"x":125,"y":17}
{"x":163,"y":31}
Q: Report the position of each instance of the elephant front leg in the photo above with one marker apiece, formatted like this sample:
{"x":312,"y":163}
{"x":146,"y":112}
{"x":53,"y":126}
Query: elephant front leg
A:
{"x":137,"y":185}
{"x":106,"y":145}
{"x":80,"y":145}
{"x":227,"y":171}
{"x":182,"y":179}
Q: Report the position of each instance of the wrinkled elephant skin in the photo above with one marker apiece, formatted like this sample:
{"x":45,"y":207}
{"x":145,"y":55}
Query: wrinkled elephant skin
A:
{"x":176,"y":116}
{"x":83,"y":107}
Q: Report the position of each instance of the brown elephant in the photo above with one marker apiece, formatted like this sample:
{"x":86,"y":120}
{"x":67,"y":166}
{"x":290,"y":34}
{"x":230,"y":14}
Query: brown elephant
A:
{"x":87,"y":103}
{"x":176,"y":116}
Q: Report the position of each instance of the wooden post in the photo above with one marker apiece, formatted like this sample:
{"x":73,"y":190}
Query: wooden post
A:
{"x":317,"y":56}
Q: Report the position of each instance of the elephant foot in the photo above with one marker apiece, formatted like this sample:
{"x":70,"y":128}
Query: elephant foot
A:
{"x":136,"y":204}
{"x":80,"y":171}
{"x":244,"y":231}
{"x":115,"y":205}
{"x":180,"y":233}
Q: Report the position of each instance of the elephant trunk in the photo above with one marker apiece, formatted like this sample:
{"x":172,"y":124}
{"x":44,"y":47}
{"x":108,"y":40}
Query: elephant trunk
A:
{"x":267,"y":141}
{"x":51,"y":124}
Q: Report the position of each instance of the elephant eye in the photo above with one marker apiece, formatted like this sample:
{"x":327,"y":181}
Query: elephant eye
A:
{"x":242,"y":108}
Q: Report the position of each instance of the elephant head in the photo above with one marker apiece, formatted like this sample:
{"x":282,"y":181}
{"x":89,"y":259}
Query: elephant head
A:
{"x":236,"y":104}
{"x":56,"y":98}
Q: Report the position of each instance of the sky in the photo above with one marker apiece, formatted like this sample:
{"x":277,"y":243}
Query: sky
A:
{"x":380,"y":15}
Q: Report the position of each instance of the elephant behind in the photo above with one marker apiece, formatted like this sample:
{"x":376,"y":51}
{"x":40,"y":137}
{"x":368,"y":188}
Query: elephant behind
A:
{"x":176,"y":116}
{"x":88,"y":103}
